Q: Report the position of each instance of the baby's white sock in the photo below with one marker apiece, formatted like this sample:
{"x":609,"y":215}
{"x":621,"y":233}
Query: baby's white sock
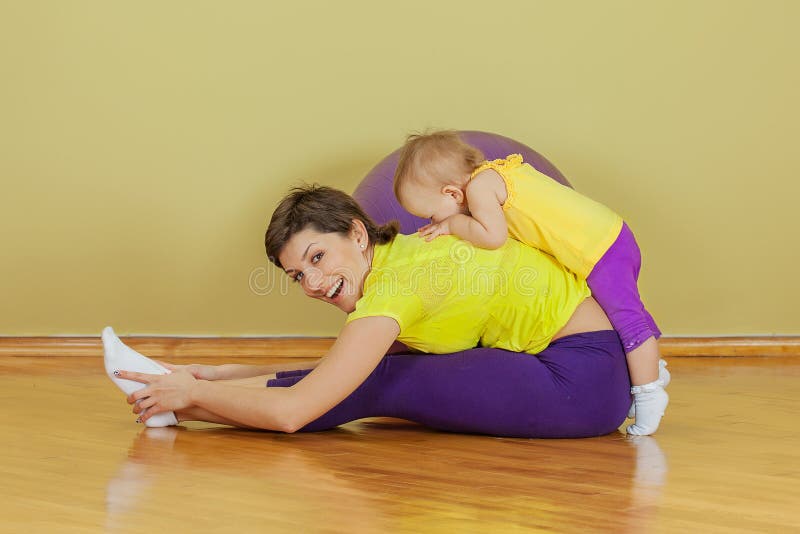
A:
{"x":651,"y":400}
{"x":663,"y":378}
{"x":119,"y":356}
{"x":663,"y":375}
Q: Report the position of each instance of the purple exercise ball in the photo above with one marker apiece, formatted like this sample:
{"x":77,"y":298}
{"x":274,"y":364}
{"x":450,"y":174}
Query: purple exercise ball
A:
{"x":375,"y":193}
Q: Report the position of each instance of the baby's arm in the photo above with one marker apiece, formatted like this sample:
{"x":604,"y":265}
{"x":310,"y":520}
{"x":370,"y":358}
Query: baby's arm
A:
{"x":486,"y":226}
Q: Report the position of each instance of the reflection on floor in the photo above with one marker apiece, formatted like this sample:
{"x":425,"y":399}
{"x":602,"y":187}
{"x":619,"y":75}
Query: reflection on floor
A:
{"x":725,"y":459}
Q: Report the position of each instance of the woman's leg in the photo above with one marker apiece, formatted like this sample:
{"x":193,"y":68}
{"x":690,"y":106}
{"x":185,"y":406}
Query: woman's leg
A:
{"x":577,"y":387}
{"x":261,"y":381}
{"x":251,"y":382}
{"x":196,"y":413}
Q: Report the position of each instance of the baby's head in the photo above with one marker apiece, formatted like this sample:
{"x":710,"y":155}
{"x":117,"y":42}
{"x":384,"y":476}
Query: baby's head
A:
{"x":433,"y":171}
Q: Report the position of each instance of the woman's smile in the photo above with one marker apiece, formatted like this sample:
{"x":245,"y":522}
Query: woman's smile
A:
{"x":336,"y":289}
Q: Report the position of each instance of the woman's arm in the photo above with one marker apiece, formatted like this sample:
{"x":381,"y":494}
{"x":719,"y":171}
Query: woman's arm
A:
{"x":355,"y":354}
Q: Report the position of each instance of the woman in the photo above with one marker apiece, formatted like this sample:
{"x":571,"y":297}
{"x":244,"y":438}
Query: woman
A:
{"x":439,"y":297}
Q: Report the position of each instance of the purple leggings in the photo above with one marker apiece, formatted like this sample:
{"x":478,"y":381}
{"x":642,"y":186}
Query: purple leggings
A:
{"x":577,"y":387}
{"x":614,"y":284}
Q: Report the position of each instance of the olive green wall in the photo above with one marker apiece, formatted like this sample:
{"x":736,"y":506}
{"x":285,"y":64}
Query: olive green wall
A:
{"x":143,"y":145}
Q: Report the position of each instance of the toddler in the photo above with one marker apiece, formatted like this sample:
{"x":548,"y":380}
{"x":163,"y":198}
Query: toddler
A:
{"x":441,"y":178}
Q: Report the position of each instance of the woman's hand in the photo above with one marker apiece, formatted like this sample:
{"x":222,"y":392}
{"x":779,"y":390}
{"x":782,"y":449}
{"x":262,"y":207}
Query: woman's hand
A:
{"x":200,"y":372}
{"x":163,"y":393}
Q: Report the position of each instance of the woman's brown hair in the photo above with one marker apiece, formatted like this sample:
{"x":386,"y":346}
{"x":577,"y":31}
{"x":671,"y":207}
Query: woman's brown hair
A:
{"x":326,"y":210}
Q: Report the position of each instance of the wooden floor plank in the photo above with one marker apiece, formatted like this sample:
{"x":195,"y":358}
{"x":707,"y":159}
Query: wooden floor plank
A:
{"x":725,"y":460}
{"x":245,"y":347}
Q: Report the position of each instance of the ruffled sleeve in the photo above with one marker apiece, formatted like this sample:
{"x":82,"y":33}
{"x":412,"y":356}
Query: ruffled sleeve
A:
{"x":502,"y":167}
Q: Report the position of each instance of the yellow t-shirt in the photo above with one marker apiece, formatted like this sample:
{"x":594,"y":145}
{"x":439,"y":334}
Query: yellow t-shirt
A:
{"x":554,"y":218}
{"x":448,"y":295}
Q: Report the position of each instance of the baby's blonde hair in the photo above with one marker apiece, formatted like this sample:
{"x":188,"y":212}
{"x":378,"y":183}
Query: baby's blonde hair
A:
{"x":441,"y":157}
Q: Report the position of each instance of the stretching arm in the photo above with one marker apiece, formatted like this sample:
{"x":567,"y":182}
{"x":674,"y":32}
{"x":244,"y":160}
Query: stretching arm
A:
{"x":355,"y":354}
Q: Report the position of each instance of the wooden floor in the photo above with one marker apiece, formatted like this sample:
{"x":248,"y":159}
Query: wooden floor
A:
{"x":725,"y":460}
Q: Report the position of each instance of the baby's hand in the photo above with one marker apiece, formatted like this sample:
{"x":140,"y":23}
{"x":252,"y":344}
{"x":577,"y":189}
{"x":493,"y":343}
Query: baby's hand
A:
{"x":434,"y":230}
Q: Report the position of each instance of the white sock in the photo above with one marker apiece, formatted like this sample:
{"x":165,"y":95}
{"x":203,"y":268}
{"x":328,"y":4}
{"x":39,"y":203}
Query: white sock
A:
{"x":119,"y":356}
{"x":651,"y":400}
{"x":663,"y":378}
{"x":663,"y":375}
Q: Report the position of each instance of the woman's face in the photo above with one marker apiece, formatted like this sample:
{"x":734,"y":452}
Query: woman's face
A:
{"x":328,"y":266}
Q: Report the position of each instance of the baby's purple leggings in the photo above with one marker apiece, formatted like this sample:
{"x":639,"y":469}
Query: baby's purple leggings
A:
{"x":614,"y":285}
{"x":576,"y":387}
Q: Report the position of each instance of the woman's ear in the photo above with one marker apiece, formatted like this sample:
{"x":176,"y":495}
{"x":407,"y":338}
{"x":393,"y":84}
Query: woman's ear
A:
{"x":359,"y":234}
{"x":455,"y":192}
